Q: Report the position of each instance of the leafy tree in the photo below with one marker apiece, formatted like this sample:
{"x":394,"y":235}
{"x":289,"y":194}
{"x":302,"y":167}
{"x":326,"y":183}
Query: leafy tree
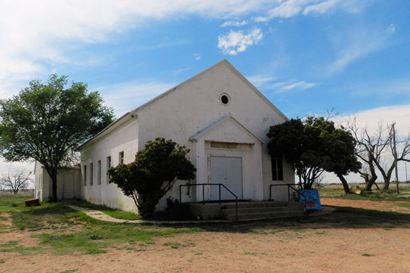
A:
{"x":47,"y":122}
{"x":313,"y":146}
{"x":298,"y":145}
{"x":339,"y":146}
{"x":153,"y":173}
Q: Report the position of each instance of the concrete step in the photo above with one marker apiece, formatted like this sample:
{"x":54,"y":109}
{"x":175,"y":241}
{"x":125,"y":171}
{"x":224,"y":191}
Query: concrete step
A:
{"x":260,"y":209}
{"x":264,"y":215}
{"x":261,"y":204}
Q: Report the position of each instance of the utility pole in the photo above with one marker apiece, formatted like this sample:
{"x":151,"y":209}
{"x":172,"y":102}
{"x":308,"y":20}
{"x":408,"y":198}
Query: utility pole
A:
{"x":395,"y":158}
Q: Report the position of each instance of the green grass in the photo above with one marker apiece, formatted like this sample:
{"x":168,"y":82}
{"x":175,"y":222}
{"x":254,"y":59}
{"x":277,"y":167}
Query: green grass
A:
{"x":119,"y":214}
{"x":62,"y":230}
{"x":12,"y":203}
{"x":13,"y":246}
{"x":336,"y":191}
{"x":65,"y":231}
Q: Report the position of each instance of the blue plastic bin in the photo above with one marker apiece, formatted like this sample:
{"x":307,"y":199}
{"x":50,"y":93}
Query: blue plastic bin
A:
{"x":312,"y":199}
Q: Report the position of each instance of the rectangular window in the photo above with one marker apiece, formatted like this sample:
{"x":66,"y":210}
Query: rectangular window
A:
{"x":85,"y":175}
{"x":277,"y":168}
{"x":99,"y":173}
{"x":91,"y":174}
{"x":108,"y":167}
{"x":121,"y":158}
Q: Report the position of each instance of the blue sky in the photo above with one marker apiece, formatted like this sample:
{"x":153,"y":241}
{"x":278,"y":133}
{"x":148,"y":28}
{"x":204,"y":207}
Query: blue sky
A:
{"x":306,"y":56}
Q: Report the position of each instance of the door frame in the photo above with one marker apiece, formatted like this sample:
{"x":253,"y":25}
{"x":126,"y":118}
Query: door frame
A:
{"x":209,"y":171}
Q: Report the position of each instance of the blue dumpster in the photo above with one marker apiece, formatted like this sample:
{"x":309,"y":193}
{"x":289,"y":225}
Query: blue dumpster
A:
{"x":312,"y":199}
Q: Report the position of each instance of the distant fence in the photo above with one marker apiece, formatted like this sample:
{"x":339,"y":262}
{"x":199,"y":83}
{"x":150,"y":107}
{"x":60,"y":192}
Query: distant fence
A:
{"x":22,"y":192}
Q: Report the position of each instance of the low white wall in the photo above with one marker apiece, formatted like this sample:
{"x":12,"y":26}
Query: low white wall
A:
{"x":124,"y":138}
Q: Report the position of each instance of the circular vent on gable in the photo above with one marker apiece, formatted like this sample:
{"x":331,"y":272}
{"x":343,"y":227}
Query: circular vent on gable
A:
{"x":224,"y":98}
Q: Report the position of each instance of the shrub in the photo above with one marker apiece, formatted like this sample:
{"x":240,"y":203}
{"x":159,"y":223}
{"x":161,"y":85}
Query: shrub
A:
{"x":153,"y":173}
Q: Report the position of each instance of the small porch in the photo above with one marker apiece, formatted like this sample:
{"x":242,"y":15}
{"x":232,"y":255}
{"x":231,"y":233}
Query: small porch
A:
{"x":245,"y":210}
{"x":231,"y":207}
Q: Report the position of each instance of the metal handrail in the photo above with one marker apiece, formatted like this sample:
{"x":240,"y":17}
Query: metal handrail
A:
{"x":290,"y":187}
{"x":203,"y":193}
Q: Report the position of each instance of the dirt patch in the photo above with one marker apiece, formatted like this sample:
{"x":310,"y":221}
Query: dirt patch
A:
{"x":316,"y":250}
{"x":396,"y":206}
{"x":11,"y":234}
{"x":265,"y":249}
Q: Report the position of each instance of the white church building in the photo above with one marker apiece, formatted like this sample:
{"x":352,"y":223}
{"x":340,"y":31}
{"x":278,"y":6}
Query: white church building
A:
{"x":220,"y":116}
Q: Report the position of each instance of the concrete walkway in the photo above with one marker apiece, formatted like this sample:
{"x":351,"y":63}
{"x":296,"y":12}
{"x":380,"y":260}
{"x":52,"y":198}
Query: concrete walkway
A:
{"x":99,"y":215}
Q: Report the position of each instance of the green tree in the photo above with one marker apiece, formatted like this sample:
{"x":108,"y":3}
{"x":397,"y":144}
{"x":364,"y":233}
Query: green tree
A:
{"x":153,"y":173}
{"x":313,"y":146}
{"x":338,"y":145}
{"x":47,"y":122}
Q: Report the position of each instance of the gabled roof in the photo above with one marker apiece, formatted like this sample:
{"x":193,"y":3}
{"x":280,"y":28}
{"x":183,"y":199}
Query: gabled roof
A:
{"x":233,"y":69}
{"x":218,"y":122}
{"x":134,"y":113}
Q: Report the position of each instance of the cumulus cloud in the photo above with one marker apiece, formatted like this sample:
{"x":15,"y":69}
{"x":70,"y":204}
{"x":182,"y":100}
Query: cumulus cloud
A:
{"x":238,"y":41}
{"x":36,"y":35}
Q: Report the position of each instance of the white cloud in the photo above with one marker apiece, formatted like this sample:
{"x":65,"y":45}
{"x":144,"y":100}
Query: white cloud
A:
{"x":197,"y":56}
{"x":293,"y":85}
{"x":291,"y":8}
{"x":270,"y":82}
{"x":126,"y":96}
{"x":34,"y":33}
{"x":371,"y":118}
{"x":260,"y":80}
{"x":357,"y":44}
{"x":37,"y":36}
{"x":321,"y":7}
{"x":178,"y":71}
{"x":234,"y":23}
{"x":237,"y":41}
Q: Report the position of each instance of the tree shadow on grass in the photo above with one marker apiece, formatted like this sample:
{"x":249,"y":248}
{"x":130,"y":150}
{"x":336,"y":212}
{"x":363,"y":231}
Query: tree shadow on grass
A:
{"x":342,"y":217}
{"x":39,"y":218}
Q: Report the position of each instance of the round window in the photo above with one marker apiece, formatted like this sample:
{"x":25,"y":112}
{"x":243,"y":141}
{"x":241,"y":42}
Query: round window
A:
{"x":224,"y":99}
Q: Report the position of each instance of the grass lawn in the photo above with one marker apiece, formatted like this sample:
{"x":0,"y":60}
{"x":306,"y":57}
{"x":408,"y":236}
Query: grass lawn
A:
{"x":64,"y":231}
{"x":336,"y":191}
{"x":60,"y":230}
{"x":115,"y":213}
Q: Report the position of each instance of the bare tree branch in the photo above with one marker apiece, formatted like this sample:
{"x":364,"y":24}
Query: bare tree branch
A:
{"x":16,"y":181}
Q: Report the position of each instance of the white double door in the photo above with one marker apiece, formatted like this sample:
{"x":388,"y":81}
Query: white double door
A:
{"x":227,"y":171}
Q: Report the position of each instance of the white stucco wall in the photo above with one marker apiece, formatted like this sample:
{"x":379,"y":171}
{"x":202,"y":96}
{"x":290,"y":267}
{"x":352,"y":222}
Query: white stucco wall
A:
{"x":196,"y":103}
{"x":124,"y":138}
{"x":179,"y":114}
{"x":68,"y":183}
